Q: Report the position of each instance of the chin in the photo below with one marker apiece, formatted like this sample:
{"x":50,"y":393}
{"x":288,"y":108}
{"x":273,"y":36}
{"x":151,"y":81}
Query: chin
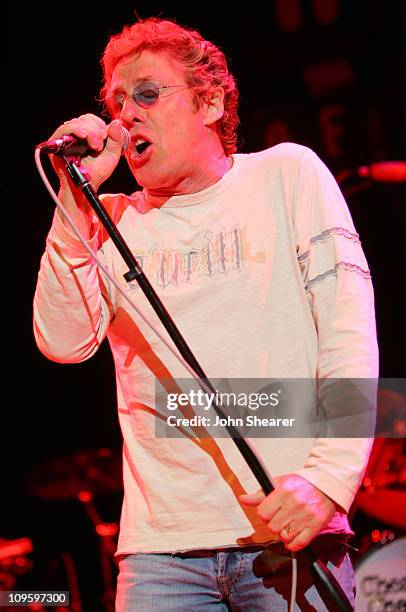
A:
{"x":148,"y":176}
{"x":147,"y":180}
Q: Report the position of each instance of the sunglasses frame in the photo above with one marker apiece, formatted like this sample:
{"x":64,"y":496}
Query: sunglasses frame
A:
{"x":137,"y":91}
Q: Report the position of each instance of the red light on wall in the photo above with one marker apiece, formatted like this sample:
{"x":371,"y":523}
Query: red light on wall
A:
{"x":85,"y":496}
{"x":328,"y":76}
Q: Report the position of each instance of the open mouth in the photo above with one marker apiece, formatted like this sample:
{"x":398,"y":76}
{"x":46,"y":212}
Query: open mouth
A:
{"x":141,"y":145}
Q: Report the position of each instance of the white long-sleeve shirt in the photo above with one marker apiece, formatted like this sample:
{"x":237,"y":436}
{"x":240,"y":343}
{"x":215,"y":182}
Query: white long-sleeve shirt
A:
{"x":264,"y":275}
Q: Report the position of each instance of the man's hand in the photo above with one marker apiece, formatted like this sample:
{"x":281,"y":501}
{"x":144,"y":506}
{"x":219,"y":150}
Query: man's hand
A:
{"x":104,"y":140}
{"x":296,"y":510}
{"x":106,"y":143}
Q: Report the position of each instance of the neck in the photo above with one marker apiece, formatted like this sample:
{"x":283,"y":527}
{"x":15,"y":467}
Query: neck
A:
{"x":202,"y":178}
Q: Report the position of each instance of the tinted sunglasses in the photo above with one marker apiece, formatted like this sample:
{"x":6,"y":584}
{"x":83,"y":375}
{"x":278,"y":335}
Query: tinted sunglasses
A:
{"x":145,"y":94}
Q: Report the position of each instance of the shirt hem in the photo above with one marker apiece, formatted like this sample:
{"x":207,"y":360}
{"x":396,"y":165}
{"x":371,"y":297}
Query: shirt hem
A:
{"x":178,"y":543}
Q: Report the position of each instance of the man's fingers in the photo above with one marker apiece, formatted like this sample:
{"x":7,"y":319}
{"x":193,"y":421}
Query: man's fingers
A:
{"x":284,"y":521}
{"x":268,"y":506}
{"x":290,"y":531}
{"x":302,"y":539}
{"x":115,"y":131}
{"x":254,"y":499}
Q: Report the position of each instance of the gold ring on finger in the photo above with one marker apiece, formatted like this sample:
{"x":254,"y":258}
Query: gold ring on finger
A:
{"x":290,"y":529}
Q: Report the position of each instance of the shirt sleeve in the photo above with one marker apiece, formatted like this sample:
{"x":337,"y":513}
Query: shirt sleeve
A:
{"x":338,"y":286}
{"x":72,"y":303}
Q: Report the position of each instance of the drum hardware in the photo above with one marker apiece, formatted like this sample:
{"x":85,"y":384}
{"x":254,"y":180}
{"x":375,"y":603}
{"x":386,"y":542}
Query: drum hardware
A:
{"x":382,"y":495}
{"x":107,"y":546}
{"x":382,"y":536}
{"x":84,"y":476}
{"x":98,"y":471}
{"x":380,"y":575}
{"x":14,"y":561}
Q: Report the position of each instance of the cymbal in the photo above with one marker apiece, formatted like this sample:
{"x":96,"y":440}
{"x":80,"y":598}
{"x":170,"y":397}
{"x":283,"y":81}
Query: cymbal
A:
{"x":15,"y":548}
{"x":385,"y":505}
{"x":98,"y":472}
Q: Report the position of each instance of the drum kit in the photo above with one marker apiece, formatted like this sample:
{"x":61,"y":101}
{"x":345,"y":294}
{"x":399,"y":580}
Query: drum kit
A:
{"x":81,"y":478}
{"x":380,"y":568}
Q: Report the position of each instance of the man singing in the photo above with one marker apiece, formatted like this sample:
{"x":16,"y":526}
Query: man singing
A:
{"x":256,"y":258}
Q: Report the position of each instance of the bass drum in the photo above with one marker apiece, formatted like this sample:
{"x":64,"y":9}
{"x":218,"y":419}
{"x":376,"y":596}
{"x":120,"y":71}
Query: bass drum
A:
{"x":380,"y":577}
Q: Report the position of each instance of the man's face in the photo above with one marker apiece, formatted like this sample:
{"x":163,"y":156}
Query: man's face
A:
{"x":179,"y":134}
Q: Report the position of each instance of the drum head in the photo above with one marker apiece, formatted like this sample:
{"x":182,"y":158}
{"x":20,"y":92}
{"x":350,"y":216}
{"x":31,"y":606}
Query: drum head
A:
{"x":380,"y":577}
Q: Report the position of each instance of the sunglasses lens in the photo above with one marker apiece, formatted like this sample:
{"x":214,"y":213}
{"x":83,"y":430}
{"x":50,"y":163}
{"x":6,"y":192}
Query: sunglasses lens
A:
{"x":147,"y":95}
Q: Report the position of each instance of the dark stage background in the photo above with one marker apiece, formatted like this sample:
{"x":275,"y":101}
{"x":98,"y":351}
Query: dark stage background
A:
{"x":323,"y":73}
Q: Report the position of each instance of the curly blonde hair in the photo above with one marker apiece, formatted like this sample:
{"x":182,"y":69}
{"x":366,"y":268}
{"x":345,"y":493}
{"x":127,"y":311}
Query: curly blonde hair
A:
{"x":205,"y":65}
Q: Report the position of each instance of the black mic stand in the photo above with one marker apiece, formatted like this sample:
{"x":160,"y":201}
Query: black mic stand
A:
{"x":328,"y":587}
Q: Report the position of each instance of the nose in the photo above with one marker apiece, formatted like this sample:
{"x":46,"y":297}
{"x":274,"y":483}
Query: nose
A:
{"x":131,"y":112}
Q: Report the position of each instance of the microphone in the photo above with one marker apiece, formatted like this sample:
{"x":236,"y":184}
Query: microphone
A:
{"x":77,"y":147}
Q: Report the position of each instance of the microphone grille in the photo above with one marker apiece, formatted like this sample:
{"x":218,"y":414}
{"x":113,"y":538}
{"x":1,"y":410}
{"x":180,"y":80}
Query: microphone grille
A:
{"x":125,"y":136}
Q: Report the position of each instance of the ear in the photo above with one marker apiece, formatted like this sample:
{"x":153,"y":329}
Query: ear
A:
{"x":214,"y":106}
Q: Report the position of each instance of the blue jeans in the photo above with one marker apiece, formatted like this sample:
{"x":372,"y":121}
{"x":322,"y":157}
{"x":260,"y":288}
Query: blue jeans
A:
{"x":228,"y":579}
